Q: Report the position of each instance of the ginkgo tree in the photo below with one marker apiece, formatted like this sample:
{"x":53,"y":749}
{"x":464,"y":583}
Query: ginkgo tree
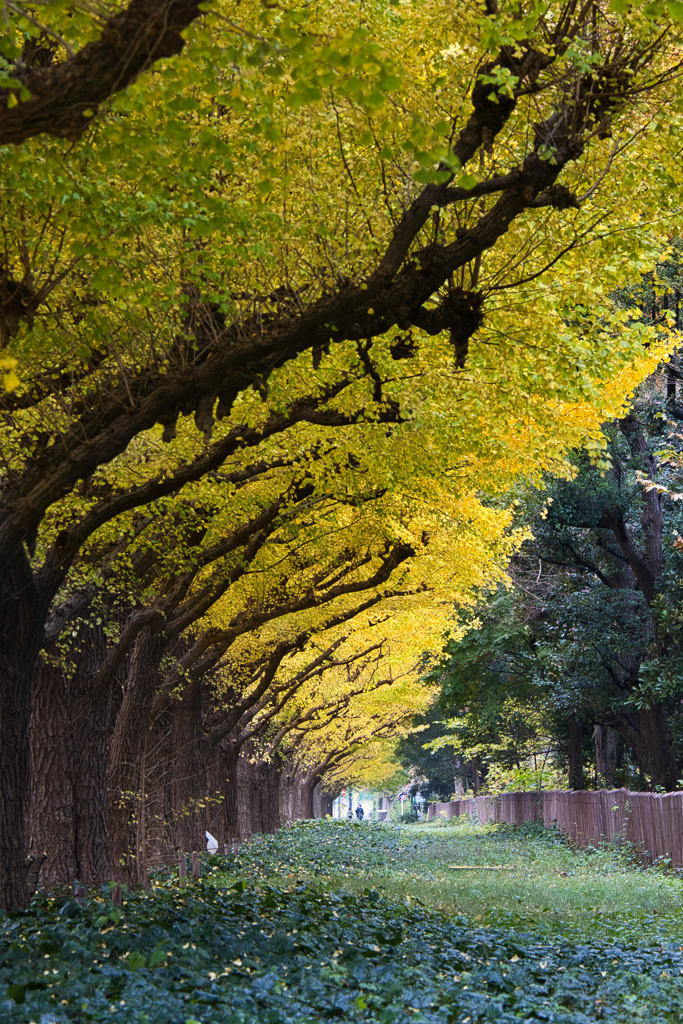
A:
{"x":198,"y":583}
{"x":394,"y":211}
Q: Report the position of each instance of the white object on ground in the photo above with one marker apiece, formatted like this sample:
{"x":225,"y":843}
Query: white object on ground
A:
{"x":211,"y":843}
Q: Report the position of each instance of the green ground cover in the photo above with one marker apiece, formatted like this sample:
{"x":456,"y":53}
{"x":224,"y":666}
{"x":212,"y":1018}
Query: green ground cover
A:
{"x":360,"y":922}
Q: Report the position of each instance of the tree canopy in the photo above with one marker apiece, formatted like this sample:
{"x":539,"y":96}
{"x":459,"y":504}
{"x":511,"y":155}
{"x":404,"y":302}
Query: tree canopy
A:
{"x":308,"y":291}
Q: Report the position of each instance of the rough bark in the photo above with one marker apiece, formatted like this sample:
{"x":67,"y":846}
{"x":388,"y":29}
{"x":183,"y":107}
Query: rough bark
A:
{"x":233,"y":828}
{"x":286,"y":804}
{"x":189,"y":772}
{"x":21,"y":631}
{"x":264,"y":799}
{"x":50,"y":825}
{"x":66,"y":814}
{"x":215,"y":782}
{"x":126,"y":776}
{"x":65,"y":96}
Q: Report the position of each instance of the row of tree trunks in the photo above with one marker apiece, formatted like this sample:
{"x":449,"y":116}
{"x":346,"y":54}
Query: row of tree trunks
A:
{"x":109,"y":791}
{"x":109,"y":794}
{"x":644,"y":731}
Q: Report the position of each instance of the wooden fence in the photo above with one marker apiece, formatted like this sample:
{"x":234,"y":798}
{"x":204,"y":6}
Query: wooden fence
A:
{"x":652,"y":822}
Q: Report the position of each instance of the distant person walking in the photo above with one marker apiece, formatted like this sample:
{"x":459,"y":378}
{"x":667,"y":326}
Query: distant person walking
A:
{"x":360,"y":813}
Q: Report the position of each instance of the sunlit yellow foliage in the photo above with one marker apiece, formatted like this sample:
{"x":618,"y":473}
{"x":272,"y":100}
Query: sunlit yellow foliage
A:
{"x":266,"y":167}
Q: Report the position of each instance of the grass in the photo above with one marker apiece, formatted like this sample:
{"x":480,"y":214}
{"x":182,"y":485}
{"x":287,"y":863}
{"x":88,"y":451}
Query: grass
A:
{"x":550,"y":885}
{"x":362,"y":923}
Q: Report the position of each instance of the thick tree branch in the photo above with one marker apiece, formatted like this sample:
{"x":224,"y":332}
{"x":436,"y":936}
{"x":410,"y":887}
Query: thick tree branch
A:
{"x":641,"y":570}
{"x":228,"y":358}
{"x":64,"y":97}
{"x":66,"y":546}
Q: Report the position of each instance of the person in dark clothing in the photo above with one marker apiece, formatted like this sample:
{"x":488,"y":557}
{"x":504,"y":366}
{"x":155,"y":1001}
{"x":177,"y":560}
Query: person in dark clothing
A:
{"x":360,"y":813}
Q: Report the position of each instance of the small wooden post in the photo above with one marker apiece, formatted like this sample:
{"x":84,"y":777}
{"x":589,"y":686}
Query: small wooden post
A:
{"x":235,"y":846}
{"x":80,"y":895}
{"x":196,"y":870}
{"x":227,"y":848}
{"x":116,"y":891}
{"x":182,"y":870}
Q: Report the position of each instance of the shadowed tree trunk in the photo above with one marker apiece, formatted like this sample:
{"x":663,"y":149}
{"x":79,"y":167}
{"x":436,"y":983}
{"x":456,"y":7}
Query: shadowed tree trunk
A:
{"x":606,"y":741}
{"x":244,"y":794}
{"x":126,"y":772}
{"x":306,"y":788}
{"x":286,"y":802}
{"x":264,"y":785}
{"x":189,"y":771}
{"x":66,"y":813}
{"x":231,"y":810}
{"x":215,"y":812}
{"x":272,"y":823}
{"x":322,"y":802}
{"x":646,"y":732}
{"x":575,"y":754}
{"x":50,"y":824}
{"x":21,"y":633}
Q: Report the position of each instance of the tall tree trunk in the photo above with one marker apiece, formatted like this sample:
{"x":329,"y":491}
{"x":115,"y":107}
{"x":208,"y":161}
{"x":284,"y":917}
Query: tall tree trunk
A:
{"x":611,"y":752}
{"x":475,"y":778}
{"x":126,"y":776}
{"x":606,"y":741}
{"x":264,"y":798}
{"x":215,"y":787}
{"x":322,"y":802}
{"x":160,"y":818}
{"x":189,"y":772}
{"x":50,"y":825}
{"x":600,"y":744}
{"x":66,"y":812}
{"x":90,"y":720}
{"x":21,"y":634}
{"x":245,"y":781}
{"x":575,"y":754}
{"x":287,"y":783}
{"x":275,"y":774}
{"x":304,"y":783}
{"x":306,"y":787}
{"x":458,"y":787}
{"x":647,"y":734}
{"x":231,"y":814}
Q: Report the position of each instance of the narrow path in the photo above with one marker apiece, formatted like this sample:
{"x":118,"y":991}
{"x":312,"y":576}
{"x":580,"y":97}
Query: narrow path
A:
{"x":359,"y":922}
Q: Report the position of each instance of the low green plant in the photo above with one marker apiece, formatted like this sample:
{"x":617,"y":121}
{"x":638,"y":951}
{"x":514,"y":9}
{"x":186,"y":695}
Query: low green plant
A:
{"x":361,"y":923}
